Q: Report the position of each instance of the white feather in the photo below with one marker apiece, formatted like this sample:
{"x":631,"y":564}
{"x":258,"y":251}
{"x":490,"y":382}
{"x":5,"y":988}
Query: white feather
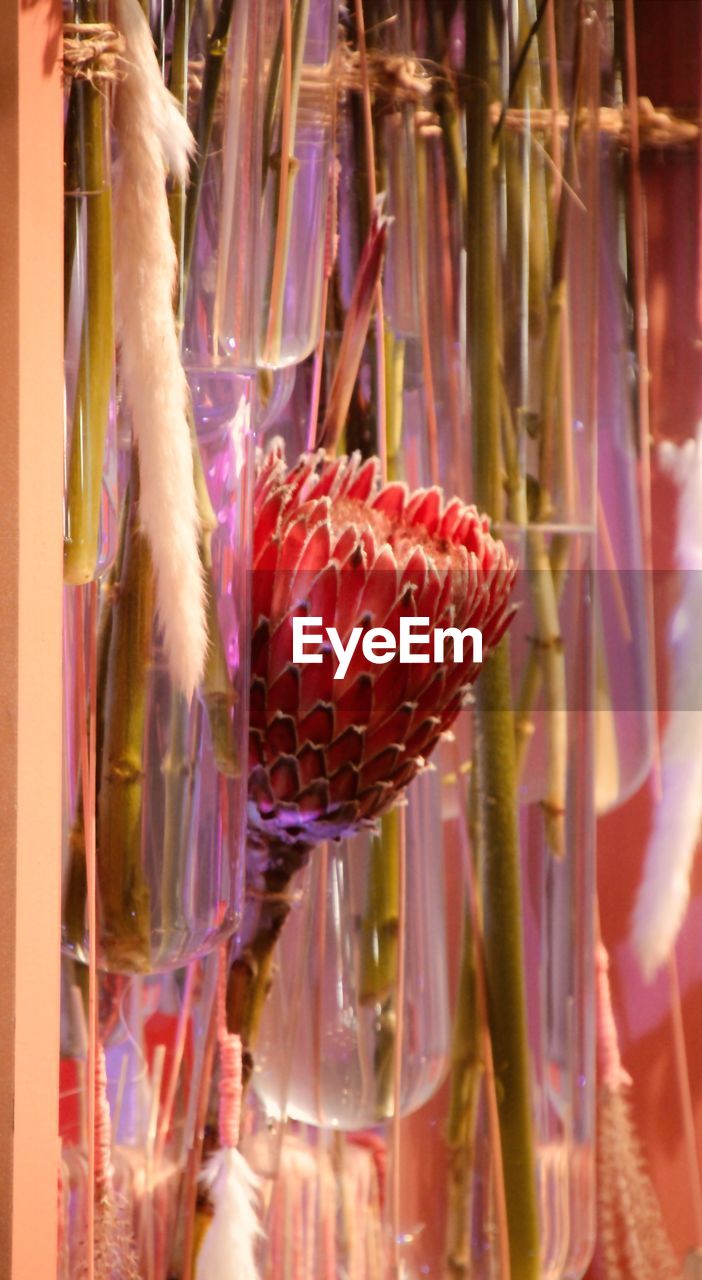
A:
{"x":228,"y":1251}
{"x":665,"y":889}
{"x":152,"y":135}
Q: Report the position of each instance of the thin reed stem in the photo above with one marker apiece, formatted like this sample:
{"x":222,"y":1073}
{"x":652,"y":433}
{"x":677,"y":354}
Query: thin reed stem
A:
{"x":502,"y":905}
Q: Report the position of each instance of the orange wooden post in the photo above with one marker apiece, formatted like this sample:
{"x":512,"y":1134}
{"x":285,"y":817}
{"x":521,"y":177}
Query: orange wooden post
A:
{"x":31,"y":433}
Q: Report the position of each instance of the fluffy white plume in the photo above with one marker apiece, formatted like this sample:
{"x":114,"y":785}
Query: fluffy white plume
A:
{"x":228,"y":1251}
{"x":152,"y":136}
{"x":665,"y":888}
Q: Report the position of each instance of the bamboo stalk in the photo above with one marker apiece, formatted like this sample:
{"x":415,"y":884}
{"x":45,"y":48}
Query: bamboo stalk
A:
{"x":212,"y":74}
{"x":179,"y":88}
{"x":398,"y":1270}
{"x":75,"y":897}
{"x":488,"y":1064}
{"x":124,"y":893}
{"x":466,"y":1071}
{"x":379,"y":952}
{"x":504,"y":952}
{"x":90,"y":165}
{"x":294,"y":33}
{"x":467,"y":1068}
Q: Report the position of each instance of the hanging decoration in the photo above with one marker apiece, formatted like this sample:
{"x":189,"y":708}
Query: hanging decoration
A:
{"x":228,"y":1251}
{"x":632,"y":1240}
{"x":153,"y":138}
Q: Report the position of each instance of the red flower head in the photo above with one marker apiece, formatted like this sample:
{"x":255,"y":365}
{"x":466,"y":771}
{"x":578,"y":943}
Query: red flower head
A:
{"x":327,"y":755}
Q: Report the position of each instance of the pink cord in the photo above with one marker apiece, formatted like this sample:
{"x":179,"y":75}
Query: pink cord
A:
{"x":103,"y":1128}
{"x":378,"y":1149}
{"x":329,"y":1228}
{"x":298,"y":1267}
{"x":61,"y":1216}
{"x":229,"y":1090}
{"x":229,"y":1066}
{"x":86,"y":687}
{"x":609,"y":1059}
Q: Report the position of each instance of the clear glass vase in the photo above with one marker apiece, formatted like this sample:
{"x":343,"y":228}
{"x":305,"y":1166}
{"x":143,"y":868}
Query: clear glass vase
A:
{"x":170,"y":777}
{"x":155,"y":1033}
{"x":255,"y":229}
{"x":336,"y":1068}
{"x":90,"y":452}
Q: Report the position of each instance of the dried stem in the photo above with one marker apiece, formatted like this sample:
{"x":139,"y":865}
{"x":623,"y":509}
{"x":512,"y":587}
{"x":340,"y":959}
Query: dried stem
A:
{"x":502,"y":905}
{"x":250,"y":974}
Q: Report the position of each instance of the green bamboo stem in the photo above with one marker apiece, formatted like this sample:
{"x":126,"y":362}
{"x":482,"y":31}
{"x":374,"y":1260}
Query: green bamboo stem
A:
{"x":285,"y":169}
{"x":502,"y":901}
{"x":504,"y":961}
{"x":394,"y":373}
{"x":124,"y":893}
{"x":212,"y":74}
{"x":178,"y":776}
{"x":546,"y":571}
{"x":94,"y":381}
{"x":546,"y":567}
{"x":527,"y":215}
{"x":466,"y":1072}
{"x":379,"y":954}
{"x":557,"y":299}
{"x":179,"y":88}
{"x":76,"y":887}
{"x":71,"y":199}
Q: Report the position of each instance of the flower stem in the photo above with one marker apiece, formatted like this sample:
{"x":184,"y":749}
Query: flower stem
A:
{"x":250,"y":975}
{"x":502,"y":898}
{"x":124,"y":893}
{"x":86,"y":147}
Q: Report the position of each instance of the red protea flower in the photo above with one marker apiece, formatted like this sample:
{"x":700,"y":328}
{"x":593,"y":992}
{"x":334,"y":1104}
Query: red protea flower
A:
{"x":327,"y":756}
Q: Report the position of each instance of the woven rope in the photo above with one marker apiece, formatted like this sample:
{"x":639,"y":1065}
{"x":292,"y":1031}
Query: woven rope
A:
{"x":659,"y":128}
{"x":91,"y":51}
{"x":394,"y":79}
